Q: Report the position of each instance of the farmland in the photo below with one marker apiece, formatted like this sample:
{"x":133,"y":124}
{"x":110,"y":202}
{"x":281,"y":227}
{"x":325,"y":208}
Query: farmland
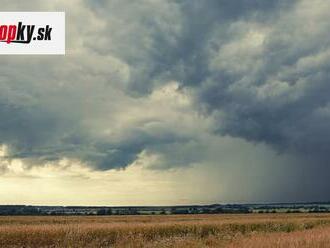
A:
{"x":217,"y":230}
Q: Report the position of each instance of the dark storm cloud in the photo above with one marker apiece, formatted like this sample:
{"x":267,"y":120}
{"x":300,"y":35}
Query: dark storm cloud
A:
{"x":259,"y":68}
{"x":279,"y":98}
{"x":47,"y":115}
{"x":38,"y":134}
{"x":275,"y":92}
{"x":166,"y":40}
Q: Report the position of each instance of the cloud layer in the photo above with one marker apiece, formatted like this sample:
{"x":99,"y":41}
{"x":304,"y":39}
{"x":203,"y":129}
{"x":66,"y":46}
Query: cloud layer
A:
{"x":168,"y":80}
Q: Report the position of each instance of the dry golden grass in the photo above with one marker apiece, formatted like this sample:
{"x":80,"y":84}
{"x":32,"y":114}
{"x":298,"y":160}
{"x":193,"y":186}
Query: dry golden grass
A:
{"x":315,"y":238}
{"x":163,"y":231}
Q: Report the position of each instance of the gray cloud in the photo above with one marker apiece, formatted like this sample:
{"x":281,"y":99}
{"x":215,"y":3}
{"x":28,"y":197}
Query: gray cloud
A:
{"x":249,"y":63}
{"x":275,"y":92}
{"x":255,"y":70}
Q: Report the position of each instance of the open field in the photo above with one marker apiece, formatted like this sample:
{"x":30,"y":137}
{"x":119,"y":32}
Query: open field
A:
{"x":250,"y":230}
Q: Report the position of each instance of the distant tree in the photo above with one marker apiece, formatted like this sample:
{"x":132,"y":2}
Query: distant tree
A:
{"x":101,"y":211}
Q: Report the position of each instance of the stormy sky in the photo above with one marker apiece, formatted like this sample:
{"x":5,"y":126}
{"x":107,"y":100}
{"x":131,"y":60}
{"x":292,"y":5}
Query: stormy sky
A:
{"x":170,"y":102}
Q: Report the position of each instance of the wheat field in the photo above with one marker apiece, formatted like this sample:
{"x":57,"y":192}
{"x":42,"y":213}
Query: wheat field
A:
{"x":245,"y":230}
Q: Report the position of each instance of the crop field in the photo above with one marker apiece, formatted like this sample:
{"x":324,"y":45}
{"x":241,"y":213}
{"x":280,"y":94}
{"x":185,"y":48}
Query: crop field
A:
{"x":244,"y":230}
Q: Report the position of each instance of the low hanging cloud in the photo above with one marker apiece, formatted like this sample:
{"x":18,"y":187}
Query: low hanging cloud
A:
{"x":164,"y":77}
{"x":269,"y":82}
